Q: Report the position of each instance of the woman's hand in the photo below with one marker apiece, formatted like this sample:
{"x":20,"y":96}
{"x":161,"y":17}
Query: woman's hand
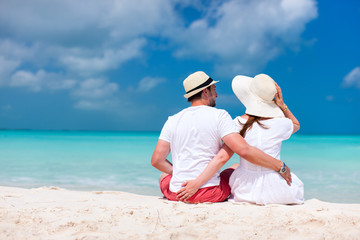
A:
{"x":189,"y":189}
{"x":280,"y":102}
{"x":279,"y":98}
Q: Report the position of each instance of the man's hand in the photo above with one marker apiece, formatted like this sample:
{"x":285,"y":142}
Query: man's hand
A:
{"x":287,"y":176}
{"x":189,"y":189}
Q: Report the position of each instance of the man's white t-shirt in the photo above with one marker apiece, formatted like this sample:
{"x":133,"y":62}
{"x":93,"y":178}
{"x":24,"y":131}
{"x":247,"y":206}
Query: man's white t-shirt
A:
{"x":195,"y":136}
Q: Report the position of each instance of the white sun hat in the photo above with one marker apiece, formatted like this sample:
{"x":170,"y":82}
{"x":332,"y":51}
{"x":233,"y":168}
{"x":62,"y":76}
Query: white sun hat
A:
{"x":196,"y":82}
{"x":257,"y":95}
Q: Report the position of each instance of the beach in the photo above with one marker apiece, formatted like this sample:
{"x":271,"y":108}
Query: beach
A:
{"x":105,"y":188}
{"x":55,"y":213}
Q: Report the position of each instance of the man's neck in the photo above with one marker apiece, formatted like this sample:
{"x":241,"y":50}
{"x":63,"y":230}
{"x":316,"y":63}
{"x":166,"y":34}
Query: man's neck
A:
{"x":199,"y":102}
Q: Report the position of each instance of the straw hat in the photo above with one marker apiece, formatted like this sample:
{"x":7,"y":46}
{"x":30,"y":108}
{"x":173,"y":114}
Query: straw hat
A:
{"x":257,"y":95}
{"x":196,"y":82}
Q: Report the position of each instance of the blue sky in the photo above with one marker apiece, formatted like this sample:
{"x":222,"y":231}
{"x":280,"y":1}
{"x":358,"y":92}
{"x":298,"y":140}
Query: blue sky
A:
{"x":119,"y":65}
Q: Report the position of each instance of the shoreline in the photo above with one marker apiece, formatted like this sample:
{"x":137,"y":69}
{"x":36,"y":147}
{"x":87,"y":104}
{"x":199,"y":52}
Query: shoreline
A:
{"x":155,"y":131}
{"x":55,"y":213}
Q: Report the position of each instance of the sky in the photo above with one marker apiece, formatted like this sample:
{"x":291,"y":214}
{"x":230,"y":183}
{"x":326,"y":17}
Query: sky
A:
{"x":119,"y":64}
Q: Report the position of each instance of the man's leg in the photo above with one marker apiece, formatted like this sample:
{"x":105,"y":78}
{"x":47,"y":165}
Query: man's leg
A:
{"x":216,"y":193}
{"x":209,"y":194}
{"x":164,"y":187}
{"x":162,"y":175}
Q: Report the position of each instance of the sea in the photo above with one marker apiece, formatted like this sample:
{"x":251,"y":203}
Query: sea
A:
{"x":329,"y":165}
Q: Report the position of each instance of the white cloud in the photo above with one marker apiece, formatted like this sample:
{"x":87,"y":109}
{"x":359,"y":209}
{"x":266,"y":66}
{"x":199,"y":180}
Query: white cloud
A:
{"x":12,"y":55}
{"x":6,"y":68}
{"x":87,"y":105}
{"x":95,"y":89}
{"x":27,"y":79}
{"x":93,"y":104}
{"x":129,"y":19}
{"x":40,"y":80}
{"x":352,"y":78}
{"x":59,"y":84}
{"x":54,"y":45}
{"x":41,"y":20}
{"x":15,"y":50}
{"x":83,"y":22}
{"x":95,"y":94}
{"x":148,"y":83}
{"x":238,"y":36}
{"x":244,"y":35}
{"x":90,"y":63}
{"x":102,"y":36}
{"x":90,"y":94}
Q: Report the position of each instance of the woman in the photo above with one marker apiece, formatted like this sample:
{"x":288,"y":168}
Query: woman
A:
{"x":266,"y":123}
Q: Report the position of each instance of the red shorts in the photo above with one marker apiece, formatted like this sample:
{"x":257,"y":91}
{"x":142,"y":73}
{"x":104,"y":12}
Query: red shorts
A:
{"x":208,"y":194}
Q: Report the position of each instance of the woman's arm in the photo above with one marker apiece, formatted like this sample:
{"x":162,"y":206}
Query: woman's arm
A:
{"x":192,"y":186}
{"x":280,"y":102}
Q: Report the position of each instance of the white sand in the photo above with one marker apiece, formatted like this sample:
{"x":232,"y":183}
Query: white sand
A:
{"x":53,"y":213}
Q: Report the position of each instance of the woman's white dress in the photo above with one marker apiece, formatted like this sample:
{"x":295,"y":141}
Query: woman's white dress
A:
{"x":259,"y":185}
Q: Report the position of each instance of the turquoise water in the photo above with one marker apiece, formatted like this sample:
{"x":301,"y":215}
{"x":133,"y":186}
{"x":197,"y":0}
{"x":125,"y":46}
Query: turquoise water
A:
{"x":329,"y":166}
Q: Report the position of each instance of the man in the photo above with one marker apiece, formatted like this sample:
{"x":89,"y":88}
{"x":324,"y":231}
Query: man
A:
{"x":194,"y":136}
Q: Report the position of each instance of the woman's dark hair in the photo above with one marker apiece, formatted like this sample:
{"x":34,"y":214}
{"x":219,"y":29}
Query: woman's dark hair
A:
{"x":250,"y":122}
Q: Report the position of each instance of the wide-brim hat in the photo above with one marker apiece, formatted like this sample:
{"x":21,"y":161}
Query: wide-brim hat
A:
{"x":257,"y":95}
{"x":197,"y":82}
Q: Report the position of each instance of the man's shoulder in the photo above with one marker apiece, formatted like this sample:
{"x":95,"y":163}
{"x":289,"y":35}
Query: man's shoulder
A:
{"x":203,"y":109}
{"x":223,"y":112}
{"x":179,"y":113}
{"x":214,"y":109}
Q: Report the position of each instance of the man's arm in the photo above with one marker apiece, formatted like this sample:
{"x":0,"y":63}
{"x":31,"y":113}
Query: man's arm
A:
{"x":237,"y":144}
{"x":158,"y":159}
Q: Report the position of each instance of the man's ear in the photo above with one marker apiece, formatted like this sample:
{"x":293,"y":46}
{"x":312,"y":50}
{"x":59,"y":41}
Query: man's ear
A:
{"x":205,"y":92}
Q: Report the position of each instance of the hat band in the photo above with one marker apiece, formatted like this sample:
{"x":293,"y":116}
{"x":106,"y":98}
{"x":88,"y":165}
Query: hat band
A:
{"x":207,"y":82}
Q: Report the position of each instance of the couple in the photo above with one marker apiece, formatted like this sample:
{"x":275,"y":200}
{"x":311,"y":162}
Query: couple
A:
{"x":202,"y":139}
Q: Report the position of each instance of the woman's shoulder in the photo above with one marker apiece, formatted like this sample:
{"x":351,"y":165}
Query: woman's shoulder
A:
{"x":280,"y":121}
{"x":281,"y":126}
{"x":241,"y":119}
